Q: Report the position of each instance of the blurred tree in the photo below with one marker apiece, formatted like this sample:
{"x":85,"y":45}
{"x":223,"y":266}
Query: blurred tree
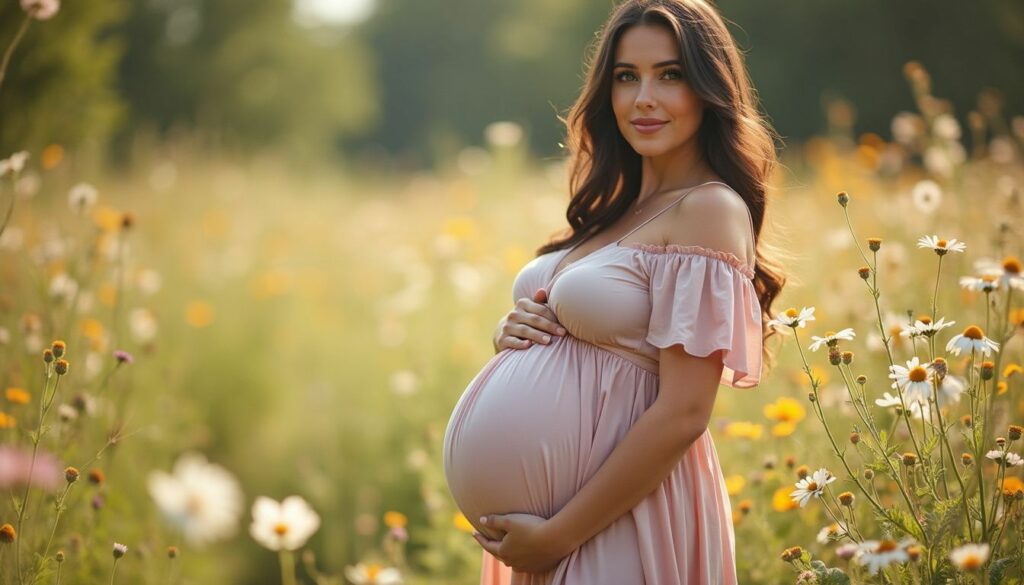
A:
{"x":59,"y":86}
{"x":246,"y":74}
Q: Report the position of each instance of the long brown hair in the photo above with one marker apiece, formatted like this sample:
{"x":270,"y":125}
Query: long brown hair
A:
{"x":736,"y":140}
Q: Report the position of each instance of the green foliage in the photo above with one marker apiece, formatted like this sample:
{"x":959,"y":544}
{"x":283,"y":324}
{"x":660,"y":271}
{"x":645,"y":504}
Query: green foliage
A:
{"x":60,"y":84}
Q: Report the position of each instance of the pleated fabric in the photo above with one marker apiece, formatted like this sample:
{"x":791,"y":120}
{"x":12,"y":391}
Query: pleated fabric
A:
{"x":535,"y":424}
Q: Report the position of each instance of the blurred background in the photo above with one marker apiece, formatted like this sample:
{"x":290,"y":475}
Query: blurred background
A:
{"x":328,"y":202}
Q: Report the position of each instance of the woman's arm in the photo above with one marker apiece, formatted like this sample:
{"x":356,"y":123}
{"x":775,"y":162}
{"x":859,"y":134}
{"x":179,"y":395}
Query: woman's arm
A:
{"x":649,"y":451}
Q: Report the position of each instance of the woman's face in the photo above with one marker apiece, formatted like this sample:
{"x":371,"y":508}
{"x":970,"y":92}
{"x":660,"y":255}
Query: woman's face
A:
{"x":655,"y":108}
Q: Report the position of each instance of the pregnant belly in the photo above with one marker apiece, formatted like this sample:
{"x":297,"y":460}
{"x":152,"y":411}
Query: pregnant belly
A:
{"x":519,"y":433}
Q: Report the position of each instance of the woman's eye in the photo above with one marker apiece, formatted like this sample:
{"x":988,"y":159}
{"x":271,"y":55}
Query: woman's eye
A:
{"x":671,"y":72}
{"x":619,"y":77}
{"x":676,"y":72}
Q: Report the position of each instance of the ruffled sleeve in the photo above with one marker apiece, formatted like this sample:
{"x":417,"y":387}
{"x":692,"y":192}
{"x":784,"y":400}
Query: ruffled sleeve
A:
{"x":705,"y":300}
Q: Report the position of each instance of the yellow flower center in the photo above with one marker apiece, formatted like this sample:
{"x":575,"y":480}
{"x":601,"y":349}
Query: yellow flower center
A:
{"x":280,"y":529}
{"x":941,"y":243}
{"x":372,"y":571}
{"x":971,"y":562}
{"x":974,"y":332}
{"x":829,"y":333}
{"x":988,"y":278}
{"x":887,"y":545}
{"x":918,"y":374}
{"x":1011,"y":264}
{"x":792,"y":313}
{"x":925,"y":319}
{"x":812,"y":486}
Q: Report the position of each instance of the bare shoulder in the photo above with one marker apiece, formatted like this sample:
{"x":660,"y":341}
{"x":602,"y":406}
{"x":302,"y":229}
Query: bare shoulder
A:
{"x":712,"y":216}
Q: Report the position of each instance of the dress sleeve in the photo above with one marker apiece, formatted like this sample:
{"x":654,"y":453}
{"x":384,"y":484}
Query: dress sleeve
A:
{"x":704,"y":300}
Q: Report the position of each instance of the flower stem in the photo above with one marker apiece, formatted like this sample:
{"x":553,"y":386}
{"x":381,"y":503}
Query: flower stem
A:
{"x":10,"y":51}
{"x":113,"y":571}
{"x":287,"y":567}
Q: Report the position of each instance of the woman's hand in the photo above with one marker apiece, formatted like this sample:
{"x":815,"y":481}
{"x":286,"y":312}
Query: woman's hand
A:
{"x":531,"y":321}
{"x":528,"y":545}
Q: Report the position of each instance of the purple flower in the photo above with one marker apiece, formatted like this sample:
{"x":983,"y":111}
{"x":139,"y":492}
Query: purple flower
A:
{"x":123,"y":357}
{"x":47,"y":474}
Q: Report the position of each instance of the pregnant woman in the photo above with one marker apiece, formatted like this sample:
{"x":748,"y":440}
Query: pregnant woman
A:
{"x":581,"y":451}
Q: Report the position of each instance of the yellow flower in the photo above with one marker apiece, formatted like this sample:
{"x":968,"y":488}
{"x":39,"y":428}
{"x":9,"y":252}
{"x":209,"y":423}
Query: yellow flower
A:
{"x":198,"y":314}
{"x":734,"y":484}
{"x":17,"y":396}
{"x":107,"y":293}
{"x":92,"y":328}
{"x":785,"y":409}
{"x":781,"y":501}
{"x":394,"y":519}
{"x":1012,"y":370}
{"x":743,"y":429}
{"x":51,"y":156}
{"x":107,"y":218}
{"x":462,"y":523}
{"x":7,"y":421}
{"x":462,"y":228}
{"x":783,"y":429}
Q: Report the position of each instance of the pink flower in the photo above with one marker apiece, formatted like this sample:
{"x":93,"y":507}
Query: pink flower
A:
{"x":15,"y":463}
{"x":41,"y":9}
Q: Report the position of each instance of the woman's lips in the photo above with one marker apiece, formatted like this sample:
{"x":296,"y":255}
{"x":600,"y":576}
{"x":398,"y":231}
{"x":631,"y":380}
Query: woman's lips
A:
{"x":648,"y":128}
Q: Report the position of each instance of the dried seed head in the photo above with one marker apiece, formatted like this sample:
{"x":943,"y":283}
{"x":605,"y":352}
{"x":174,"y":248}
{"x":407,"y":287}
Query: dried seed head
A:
{"x":846,"y":499}
{"x":862,"y":379}
{"x":847,"y":357}
{"x":864,"y":272}
{"x":909,"y":459}
{"x":71,"y":474}
{"x":834,"y":357}
{"x":1015,"y":432}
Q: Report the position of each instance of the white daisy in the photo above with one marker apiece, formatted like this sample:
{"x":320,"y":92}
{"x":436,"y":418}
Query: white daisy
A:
{"x":830,"y":338}
{"x":879,"y":554}
{"x":283,"y":525}
{"x":926,"y":195}
{"x":914,"y":379}
{"x":792,"y":318}
{"x":831,"y":532}
{"x":14,"y":163}
{"x":202,"y":500}
{"x":983,"y":283}
{"x":82,"y":197}
{"x":1011,"y":459}
{"x":1008,"y":271}
{"x":969,"y":557}
{"x":941,"y":247}
{"x":888,"y":400}
{"x":811,"y":486}
{"x":973,"y":338}
{"x":925,"y":327}
{"x":373,"y":574}
{"x":950,"y":389}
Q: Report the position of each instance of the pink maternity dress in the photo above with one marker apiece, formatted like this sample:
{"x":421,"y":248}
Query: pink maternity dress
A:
{"x":535,"y":424}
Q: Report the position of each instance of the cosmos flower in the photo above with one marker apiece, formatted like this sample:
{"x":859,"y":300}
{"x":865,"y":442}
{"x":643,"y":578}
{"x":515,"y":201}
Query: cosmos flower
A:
{"x":283,"y":525}
{"x":830,"y":338}
{"x":811,"y":486}
{"x":793,"y":318}
{"x":202,"y":500}
{"x":972,"y":339}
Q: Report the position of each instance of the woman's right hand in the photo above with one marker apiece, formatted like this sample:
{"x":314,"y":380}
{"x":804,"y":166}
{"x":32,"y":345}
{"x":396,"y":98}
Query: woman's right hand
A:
{"x":531,"y":321}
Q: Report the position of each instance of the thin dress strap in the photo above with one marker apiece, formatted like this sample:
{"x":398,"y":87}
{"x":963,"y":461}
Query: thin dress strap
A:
{"x":669,"y":206}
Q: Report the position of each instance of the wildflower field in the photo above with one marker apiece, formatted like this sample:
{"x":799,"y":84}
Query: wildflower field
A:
{"x":219,"y":369}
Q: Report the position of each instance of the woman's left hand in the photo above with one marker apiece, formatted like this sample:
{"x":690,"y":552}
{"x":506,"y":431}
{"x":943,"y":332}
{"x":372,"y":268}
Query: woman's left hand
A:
{"x":527,"y":545}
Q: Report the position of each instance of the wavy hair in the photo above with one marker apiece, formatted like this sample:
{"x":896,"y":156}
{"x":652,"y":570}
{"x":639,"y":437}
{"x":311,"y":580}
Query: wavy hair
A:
{"x":735,"y":139}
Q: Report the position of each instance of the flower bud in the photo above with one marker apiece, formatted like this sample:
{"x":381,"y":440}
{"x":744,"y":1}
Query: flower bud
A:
{"x":802,"y":471}
{"x":1015,"y":432}
{"x":119,"y":550}
{"x":769,"y":462}
{"x":59,"y":556}
{"x":874,"y":244}
{"x":1000,"y":441}
{"x":914,"y":552}
{"x":791,"y":554}
{"x":58,"y":348}
{"x":967,"y":459}
{"x":847,"y":357}
{"x":96,"y":476}
{"x":745,"y":506}
{"x":855,"y":437}
{"x":966,"y":420}
{"x":987,"y":370}
{"x":862,"y":379}
{"x":811,"y":397}
{"x":172,"y":552}
{"x":846,"y":499}
{"x":843,"y":198}
{"x":864,"y":272}
{"x":8,"y":534}
{"x":834,"y":357}
{"x":869,"y":474}
{"x":48,"y":356}
{"x":127,"y":221}
{"x":940,"y":367}
{"x":909,"y":459}
{"x":61,"y":367}
{"x":71,"y":474}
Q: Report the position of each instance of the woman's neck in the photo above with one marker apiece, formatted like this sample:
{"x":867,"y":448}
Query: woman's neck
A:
{"x":679,"y":169}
